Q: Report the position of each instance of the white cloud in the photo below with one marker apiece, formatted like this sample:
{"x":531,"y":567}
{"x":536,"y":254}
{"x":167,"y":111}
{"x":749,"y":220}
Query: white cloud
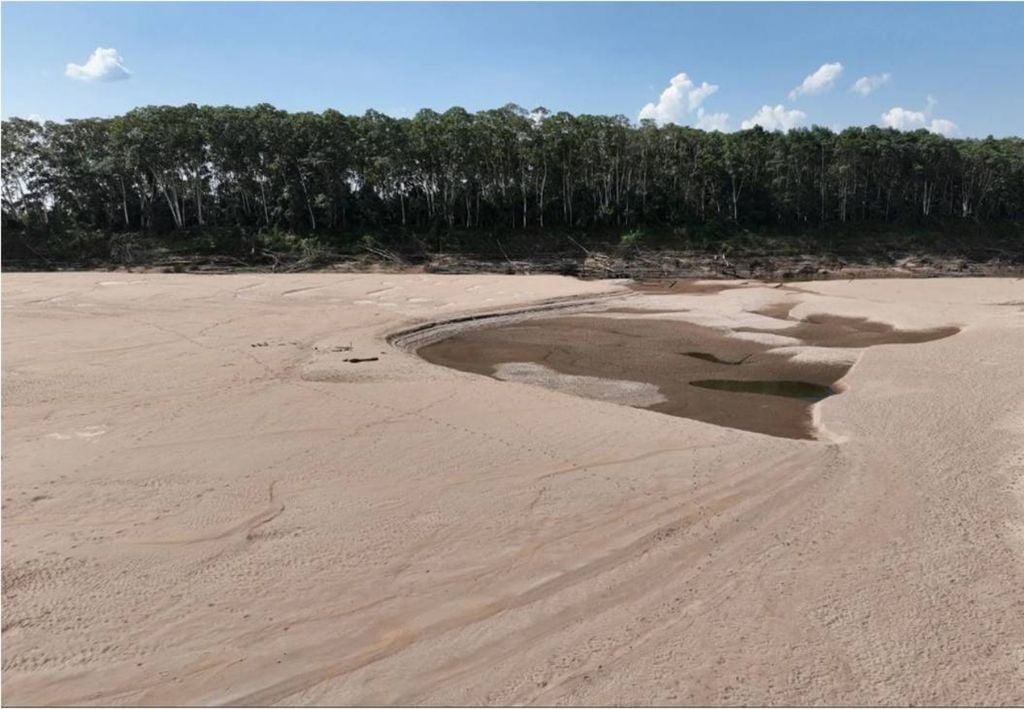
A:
{"x":867,"y":84}
{"x":712,"y":121}
{"x":905,"y":119}
{"x":821,"y":80}
{"x":681,"y":98}
{"x":777,"y":118}
{"x":902,"y":119}
{"x":103,"y":65}
{"x":696,"y":97}
{"x":942,"y":126}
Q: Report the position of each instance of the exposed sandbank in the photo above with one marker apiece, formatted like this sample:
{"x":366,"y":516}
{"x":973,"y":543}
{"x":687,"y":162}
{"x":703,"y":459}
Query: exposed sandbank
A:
{"x":205,"y":503}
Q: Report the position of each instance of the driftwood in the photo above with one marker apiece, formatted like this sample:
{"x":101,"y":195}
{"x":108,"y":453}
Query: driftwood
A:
{"x":383,"y":253}
{"x":511,"y":265}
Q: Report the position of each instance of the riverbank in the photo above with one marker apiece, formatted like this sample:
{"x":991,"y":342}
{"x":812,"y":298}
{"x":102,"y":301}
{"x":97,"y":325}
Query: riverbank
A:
{"x":943,"y":248}
{"x":594,"y":265}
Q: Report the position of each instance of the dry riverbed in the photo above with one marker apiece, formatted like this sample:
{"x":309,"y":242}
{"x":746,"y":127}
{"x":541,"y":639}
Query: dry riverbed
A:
{"x":251,"y":489}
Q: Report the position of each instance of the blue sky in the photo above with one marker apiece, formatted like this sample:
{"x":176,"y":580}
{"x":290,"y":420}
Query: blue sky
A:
{"x":952,"y":68}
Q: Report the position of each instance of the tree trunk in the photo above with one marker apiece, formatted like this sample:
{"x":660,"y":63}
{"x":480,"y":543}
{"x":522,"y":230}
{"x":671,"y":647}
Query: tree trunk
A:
{"x":263,"y":199}
{"x":199,"y":198}
{"x":309,"y":206}
{"x":172,"y":203}
{"x":124,"y":203}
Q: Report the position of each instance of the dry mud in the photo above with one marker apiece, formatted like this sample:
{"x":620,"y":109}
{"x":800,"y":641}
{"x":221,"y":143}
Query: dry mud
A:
{"x":237,"y":490}
{"x":657,"y":361}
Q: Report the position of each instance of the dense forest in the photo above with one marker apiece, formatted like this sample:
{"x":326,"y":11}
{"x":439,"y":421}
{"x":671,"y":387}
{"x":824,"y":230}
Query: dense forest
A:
{"x":249,"y":174}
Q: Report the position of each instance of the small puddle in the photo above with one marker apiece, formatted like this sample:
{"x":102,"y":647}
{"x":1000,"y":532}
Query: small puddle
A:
{"x":805,"y":391}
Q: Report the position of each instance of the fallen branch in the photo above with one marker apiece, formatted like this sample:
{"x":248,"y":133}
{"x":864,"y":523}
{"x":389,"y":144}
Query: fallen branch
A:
{"x":585,"y":249}
{"x":503,"y":253}
{"x":383,"y":253}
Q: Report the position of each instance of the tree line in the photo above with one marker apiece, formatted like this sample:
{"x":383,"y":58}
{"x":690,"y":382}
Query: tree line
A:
{"x":166,"y":169}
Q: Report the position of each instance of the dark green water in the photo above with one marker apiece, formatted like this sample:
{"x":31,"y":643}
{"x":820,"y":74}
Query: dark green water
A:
{"x":794,"y":390}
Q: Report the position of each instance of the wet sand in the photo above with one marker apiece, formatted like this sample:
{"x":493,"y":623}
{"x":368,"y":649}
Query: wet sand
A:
{"x":671,"y":355}
{"x":236,"y":490}
{"x":684,"y":286}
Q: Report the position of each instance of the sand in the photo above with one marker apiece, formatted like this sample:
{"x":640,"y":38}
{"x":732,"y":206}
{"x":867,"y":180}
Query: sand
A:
{"x":205,"y":503}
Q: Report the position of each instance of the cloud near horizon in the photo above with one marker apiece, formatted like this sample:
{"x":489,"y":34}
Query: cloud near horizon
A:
{"x":820,"y":81}
{"x":775,"y":118}
{"x":868,"y":84}
{"x":104,"y":64}
{"x":712,"y":121}
{"x":680,"y":100}
{"x":907,"y":120}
